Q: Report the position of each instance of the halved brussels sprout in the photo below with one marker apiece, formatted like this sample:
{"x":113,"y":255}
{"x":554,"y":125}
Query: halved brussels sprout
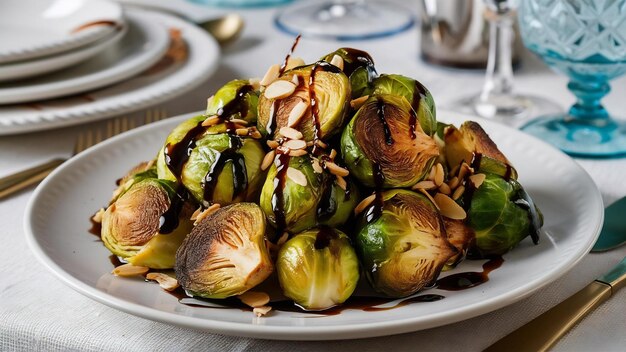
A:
{"x":235,"y":100}
{"x":146,"y":224}
{"x":382,"y":132}
{"x":405,"y":248}
{"x":415,"y":93}
{"x":502,"y":214}
{"x":472,"y":145}
{"x":225,"y":254}
{"x":322,"y":86}
{"x":141,"y":171}
{"x":318,"y":268}
{"x":461,"y":236}
{"x":289,"y":205}
{"x":358,"y":66}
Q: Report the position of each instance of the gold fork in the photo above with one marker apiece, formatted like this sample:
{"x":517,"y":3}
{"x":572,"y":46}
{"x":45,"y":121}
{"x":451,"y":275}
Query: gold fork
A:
{"x":18,"y":181}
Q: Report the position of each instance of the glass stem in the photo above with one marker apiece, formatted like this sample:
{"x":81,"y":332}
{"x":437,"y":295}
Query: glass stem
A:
{"x":588,"y":93}
{"x":499,"y":76}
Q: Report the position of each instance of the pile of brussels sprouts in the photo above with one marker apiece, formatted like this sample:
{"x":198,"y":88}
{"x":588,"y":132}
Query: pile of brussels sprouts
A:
{"x":320,"y":173}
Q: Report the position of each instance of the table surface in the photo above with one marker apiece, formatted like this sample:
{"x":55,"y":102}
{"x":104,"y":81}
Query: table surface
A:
{"x":38,"y":312}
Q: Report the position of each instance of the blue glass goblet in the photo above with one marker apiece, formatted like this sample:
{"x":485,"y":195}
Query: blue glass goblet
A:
{"x":586,"y":40}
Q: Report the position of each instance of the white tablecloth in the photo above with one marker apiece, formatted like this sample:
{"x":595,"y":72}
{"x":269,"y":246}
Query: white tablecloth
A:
{"x":38,"y":312}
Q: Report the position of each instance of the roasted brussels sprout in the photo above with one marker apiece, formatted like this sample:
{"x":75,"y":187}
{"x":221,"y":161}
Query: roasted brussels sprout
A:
{"x":471,"y":144}
{"x":147,"y":223}
{"x":225,"y":254}
{"x":405,"y":247}
{"x":141,"y":171}
{"x":461,"y":236}
{"x":415,"y":93}
{"x":337,"y":204}
{"x":358,"y":66}
{"x":217,"y":167}
{"x":385,"y":132}
{"x":324,"y":88}
{"x":318,"y":268}
{"x":235,"y":100}
{"x":502,"y":214}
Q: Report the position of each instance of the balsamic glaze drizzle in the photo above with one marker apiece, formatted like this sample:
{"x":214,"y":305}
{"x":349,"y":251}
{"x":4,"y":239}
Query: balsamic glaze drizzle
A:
{"x":293,"y":48}
{"x":380,"y":111}
{"x":462,"y":281}
{"x":238,"y":163}
{"x":325,"y":234}
{"x":376,"y":209}
{"x":169,"y":220}
{"x":278,"y":201}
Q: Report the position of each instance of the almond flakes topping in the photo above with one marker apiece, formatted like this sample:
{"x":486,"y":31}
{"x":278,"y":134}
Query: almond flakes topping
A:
{"x":268,"y":160}
{"x":364,"y":204}
{"x":449,"y":208}
{"x":296,"y":113}
{"x":290,"y":133}
{"x":166,"y":282}
{"x":271,"y":75}
{"x":254,"y":299}
{"x":358,"y":102}
{"x":279,"y":90}
{"x":336,"y":169}
{"x":297,"y":176}
{"x":129,"y":270}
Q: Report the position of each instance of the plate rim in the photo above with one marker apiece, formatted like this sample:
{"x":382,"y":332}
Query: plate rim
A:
{"x":69,"y":43}
{"x":113,"y":74}
{"x":334,"y":332}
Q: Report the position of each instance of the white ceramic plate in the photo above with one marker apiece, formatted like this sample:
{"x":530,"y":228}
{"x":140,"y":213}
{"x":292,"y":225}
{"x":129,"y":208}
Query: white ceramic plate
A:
{"x":57,"y":219}
{"x":24,"y":69}
{"x":143,"y":45}
{"x":31,"y":29}
{"x":181,"y":69}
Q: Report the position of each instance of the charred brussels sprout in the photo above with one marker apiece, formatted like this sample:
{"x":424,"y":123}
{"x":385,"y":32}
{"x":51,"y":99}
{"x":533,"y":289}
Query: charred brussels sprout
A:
{"x":318,"y":269}
{"x":235,"y":100}
{"x":321,"y":86}
{"x":217,"y":168}
{"x":358,"y":66}
{"x":405,"y":247}
{"x":225,"y":254}
{"x":415,"y":93}
{"x":133,"y":226}
{"x":384,"y":132}
{"x":502,"y":214}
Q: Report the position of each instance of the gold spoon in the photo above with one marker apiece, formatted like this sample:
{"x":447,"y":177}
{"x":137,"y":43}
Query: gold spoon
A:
{"x":225,"y":29}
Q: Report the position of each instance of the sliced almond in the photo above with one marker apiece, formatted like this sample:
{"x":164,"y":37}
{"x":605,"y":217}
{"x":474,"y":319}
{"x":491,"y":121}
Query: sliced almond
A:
{"x":255,"y":83}
{"x":336,"y":169}
{"x":296,"y":176}
{"x":290,"y":133}
{"x":97,"y":217}
{"x":321,"y":144}
{"x":425,"y":192}
{"x":426,"y":184}
{"x":337,"y":61}
{"x":445,"y":189}
{"x":477,"y":179}
{"x":341,"y":182}
{"x":454,"y":182}
{"x":195,"y":214}
{"x":296,"y":113}
{"x":431,"y":175}
{"x":239,"y":122}
{"x":358,"y":102}
{"x":256,"y":134}
{"x":333,"y":154}
{"x":242,"y":131}
{"x":449,"y":208}
{"x":439,"y":174}
{"x":261,"y":311}
{"x":364,"y":204}
{"x":295,"y":144}
{"x":464,"y":170}
{"x":294,"y":62}
{"x":295,"y":80}
{"x":128,"y":270}
{"x":271,"y":75}
{"x":272,"y":144}
{"x":211,"y":121}
{"x":166,"y":282}
{"x":279,"y":90}
{"x":458,"y":192}
{"x":254,"y":298}
{"x":298,"y":152}
{"x":268,"y":160}
{"x":206,"y":212}
{"x":317,"y":168}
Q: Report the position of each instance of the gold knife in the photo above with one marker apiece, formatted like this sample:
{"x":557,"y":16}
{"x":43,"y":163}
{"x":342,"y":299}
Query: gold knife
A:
{"x":544,"y":331}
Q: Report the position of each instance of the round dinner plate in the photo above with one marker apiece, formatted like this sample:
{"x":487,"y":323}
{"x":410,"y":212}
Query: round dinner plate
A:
{"x":143,"y":45}
{"x":57,"y":223}
{"x":192,"y":57}
{"x":31,"y":29}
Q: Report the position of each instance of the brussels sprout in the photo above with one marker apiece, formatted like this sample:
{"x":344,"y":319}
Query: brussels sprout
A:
{"x":336,"y":204}
{"x":358,"y":66}
{"x":141,"y":171}
{"x":322,"y":86}
{"x":134,"y":227}
{"x":472,"y":145}
{"x":502,"y":214}
{"x":405,"y":247}
{"x":217,"y":167}
{"x":382,"y":132}
{"x":415,"y":93}
{"x":291,"y":206}
{"x":318,"y":269}
{"x":225,"y":254}
{"x":235,"y":100}
{"x":460,"y":236}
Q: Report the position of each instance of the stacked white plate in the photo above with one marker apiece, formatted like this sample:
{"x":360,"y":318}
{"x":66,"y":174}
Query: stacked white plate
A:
{"x":65,"y":62}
